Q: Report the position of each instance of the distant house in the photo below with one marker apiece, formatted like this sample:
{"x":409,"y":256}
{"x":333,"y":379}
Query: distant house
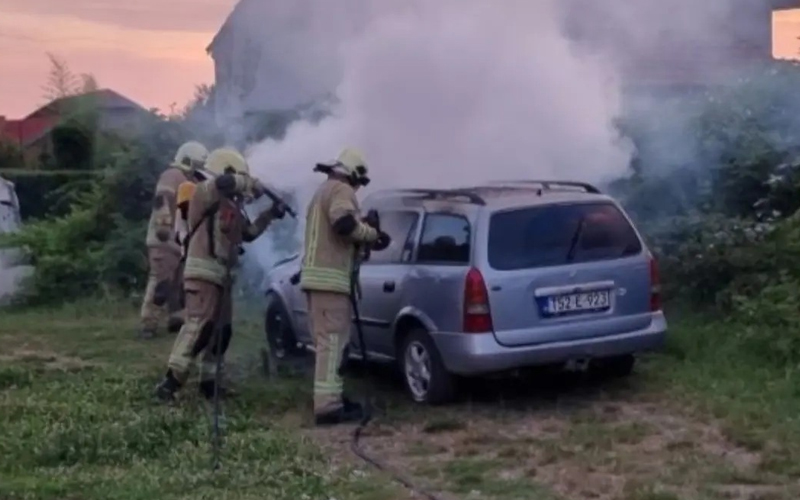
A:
{"x":32,"y":134}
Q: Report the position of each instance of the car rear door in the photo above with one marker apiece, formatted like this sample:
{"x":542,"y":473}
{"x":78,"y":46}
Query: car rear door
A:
{"x":383,"y":277}
{"x":565,"y":271}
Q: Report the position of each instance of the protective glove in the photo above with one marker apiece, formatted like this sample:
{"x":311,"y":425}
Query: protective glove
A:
{"x":382,"y":242}
{"x":373,"y":220}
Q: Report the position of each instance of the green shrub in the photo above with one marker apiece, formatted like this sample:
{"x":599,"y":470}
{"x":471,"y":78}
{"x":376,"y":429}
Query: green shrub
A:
{"x":48,"y":193}
{"x":10,"y":155}
{"x":97,"y":247}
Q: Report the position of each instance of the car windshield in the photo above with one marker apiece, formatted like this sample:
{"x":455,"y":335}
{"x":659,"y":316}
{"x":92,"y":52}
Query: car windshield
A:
{"x":559,"y":234}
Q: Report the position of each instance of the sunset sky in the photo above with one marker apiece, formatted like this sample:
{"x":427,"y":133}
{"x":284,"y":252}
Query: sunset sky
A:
{"x":153,"y":51}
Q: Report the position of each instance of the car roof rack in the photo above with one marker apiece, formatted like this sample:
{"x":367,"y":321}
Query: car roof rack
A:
{"x":440,"y":194}
{"x":547,"y":185}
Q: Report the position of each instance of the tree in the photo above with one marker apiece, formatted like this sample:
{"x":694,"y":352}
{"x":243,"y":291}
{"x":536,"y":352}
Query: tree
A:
{"x":61,"y":81}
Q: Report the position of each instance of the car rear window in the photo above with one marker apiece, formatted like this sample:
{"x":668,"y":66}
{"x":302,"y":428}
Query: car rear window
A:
{"x":559,"y":234}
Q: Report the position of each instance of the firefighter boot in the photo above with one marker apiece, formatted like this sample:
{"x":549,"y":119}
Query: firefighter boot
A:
{"x":165,"y":391}
{"x":349,"y":412}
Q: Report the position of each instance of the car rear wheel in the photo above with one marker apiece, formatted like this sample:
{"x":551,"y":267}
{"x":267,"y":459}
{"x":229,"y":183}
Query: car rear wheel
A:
{"x":425,"y":376}
{"x":280,"y":335}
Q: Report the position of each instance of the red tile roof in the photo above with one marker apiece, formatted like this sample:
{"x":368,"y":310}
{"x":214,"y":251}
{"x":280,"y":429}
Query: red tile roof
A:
{"x":27,"y":130}
{"x":35,"y":125}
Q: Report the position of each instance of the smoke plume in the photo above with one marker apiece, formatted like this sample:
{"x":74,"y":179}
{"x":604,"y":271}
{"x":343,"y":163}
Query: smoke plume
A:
{"x":450,"y":92}
{"x":455,"y":92}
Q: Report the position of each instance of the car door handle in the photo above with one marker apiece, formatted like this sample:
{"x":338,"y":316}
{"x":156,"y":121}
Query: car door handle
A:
{"x":388,"y":286}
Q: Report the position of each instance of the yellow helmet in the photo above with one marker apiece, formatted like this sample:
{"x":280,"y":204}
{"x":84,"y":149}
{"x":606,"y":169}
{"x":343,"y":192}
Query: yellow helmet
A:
{"x":185,"y":192}
{"x":224,"y":160}
{"x":190,"y":156}
{"x":350,"y":163}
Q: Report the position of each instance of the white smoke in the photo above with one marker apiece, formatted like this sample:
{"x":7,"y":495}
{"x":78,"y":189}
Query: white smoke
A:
{"x":453,"y":92}
{"x":460,"y":91}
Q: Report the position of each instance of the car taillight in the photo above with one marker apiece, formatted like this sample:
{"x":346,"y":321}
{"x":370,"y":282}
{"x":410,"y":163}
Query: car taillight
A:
{"x":655,"y":286}
{"x":477,"y":317}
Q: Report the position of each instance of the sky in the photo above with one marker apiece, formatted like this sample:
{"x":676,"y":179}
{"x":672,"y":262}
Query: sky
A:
{"x":152,"y":51}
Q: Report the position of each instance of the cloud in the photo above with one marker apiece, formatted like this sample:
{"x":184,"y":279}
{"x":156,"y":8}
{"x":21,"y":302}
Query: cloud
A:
{"x":154,"y":67}
{"x":66,"y":33}
{"x":151,"y":15}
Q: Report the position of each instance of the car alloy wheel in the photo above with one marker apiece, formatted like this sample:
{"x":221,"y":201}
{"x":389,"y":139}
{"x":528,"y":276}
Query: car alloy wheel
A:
{"x":418,"y":370}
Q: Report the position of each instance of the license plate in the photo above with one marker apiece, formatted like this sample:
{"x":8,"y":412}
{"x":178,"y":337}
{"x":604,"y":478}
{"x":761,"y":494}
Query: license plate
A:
{"x":593,"y":301}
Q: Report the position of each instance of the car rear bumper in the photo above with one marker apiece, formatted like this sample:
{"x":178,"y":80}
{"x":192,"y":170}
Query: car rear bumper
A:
{"x":475,"y":354}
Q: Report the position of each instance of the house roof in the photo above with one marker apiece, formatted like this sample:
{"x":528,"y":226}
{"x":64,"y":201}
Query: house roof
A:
{"x":27,"y":130}
{"x":103,"y":99}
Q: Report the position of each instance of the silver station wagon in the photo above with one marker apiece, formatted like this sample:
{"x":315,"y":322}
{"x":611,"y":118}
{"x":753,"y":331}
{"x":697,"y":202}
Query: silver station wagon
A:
{"x":489,"y":279}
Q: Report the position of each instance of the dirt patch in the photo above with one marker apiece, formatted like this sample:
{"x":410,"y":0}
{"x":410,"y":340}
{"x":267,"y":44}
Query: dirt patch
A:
{"x":46,"y":359}
{"x":606,"y":451}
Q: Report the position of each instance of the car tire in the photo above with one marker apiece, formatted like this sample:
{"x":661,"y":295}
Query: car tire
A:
{"x":424,"y":374}
{"x":281,"y":338}
{"x":619,"y":366}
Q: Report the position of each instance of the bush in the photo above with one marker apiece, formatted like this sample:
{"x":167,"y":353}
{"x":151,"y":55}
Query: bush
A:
{"x":97,"y":247}
{"x":10,"y":155}
{"x":716,"y":183}
{"x":45,"y":194}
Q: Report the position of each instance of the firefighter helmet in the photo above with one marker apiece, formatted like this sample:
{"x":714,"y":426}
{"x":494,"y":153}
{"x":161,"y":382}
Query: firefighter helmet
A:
{"x":350,"y":163}
{"x":191,"y":156}
{"x":227,"y":160}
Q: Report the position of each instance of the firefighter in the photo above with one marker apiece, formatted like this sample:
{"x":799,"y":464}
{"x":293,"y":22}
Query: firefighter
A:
{"x":333,"y":236}
{"x":216,"y":211}
{"x":163,"y":252}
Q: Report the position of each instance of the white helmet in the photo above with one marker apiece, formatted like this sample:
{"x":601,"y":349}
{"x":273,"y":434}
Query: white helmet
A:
{"x":191,"y":156}
{"x":349,"y":163}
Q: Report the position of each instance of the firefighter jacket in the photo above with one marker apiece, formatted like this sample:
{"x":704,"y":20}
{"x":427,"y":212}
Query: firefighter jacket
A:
{"x":221,"y":228}
{"x":161,"y":228}
{"x":328,"y":256}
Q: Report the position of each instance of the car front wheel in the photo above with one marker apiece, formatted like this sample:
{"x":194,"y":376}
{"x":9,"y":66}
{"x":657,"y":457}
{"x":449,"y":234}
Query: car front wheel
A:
{"x":280,"y":336}
{"x":425,"y":376}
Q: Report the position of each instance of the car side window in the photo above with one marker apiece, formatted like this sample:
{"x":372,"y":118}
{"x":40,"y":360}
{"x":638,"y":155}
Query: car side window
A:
{"x":446,"y":239}
{"x":400,"y":226}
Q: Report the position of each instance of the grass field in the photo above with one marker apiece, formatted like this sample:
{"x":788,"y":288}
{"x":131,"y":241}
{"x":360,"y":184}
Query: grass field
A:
{"x":701,"y":421}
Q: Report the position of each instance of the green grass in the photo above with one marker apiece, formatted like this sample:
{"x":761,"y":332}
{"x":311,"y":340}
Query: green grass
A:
{"x":78,"y":422}
{"x":757,"y":403}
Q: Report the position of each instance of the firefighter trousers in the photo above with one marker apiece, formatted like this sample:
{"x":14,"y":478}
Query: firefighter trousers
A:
{"x":197,"y":335}
{"x":330,"y":316}
{"x":162,"y":297}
